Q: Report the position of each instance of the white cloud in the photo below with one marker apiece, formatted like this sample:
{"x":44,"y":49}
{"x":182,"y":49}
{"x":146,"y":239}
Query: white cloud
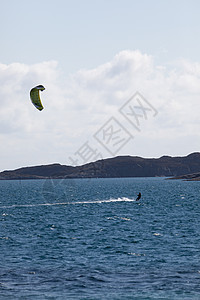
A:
{"x":77,"y":106}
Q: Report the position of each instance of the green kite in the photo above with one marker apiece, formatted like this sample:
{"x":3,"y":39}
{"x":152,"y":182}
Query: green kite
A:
{"x":35,"y":96}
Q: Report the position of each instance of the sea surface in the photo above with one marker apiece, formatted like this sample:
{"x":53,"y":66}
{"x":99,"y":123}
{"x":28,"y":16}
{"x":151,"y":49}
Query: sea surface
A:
{"x":90,"y":239}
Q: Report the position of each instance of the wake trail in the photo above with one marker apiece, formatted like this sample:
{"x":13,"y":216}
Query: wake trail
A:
{"x":69,"y":203}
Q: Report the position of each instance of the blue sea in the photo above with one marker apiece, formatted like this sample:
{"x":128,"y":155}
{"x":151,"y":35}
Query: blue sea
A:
{"x":90,"y":239}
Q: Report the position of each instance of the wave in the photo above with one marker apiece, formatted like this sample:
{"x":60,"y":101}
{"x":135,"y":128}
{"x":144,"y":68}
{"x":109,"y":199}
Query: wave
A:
{"x":123,"y":199}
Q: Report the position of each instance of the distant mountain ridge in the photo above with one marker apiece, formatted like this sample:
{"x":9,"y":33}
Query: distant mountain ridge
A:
{"x":120,"y":166}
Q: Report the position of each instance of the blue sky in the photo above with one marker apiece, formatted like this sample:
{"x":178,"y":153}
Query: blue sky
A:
{"x":83,"y":34}
{"x":92,"y":56}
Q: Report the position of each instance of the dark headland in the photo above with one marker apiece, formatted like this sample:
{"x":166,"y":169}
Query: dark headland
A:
{"x":185,"y":167}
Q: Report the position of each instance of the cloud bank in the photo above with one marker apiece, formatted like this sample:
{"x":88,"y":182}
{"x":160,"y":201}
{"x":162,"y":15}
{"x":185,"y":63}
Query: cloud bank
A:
{"x":78,"y":105}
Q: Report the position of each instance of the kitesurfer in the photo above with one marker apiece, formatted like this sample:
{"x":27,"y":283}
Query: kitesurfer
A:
{"x":138,"y":197}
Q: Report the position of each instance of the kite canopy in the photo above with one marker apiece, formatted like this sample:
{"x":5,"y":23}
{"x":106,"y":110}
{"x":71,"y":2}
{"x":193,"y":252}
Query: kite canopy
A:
{"x":35,"y":96}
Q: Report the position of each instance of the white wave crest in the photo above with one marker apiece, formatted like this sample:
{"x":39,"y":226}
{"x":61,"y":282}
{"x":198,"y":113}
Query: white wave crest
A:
{"x":123,"y":199}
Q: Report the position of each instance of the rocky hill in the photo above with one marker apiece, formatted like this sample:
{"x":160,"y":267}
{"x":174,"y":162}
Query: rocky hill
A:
{"x":121,"y":166}
{"x":188,"y":177}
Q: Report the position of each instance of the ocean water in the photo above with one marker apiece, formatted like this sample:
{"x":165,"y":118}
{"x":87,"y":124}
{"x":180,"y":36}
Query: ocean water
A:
{"x":90,"y":239}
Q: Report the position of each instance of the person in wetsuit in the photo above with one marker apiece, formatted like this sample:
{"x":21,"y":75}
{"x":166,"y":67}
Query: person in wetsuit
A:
{"x":138,"y":197}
